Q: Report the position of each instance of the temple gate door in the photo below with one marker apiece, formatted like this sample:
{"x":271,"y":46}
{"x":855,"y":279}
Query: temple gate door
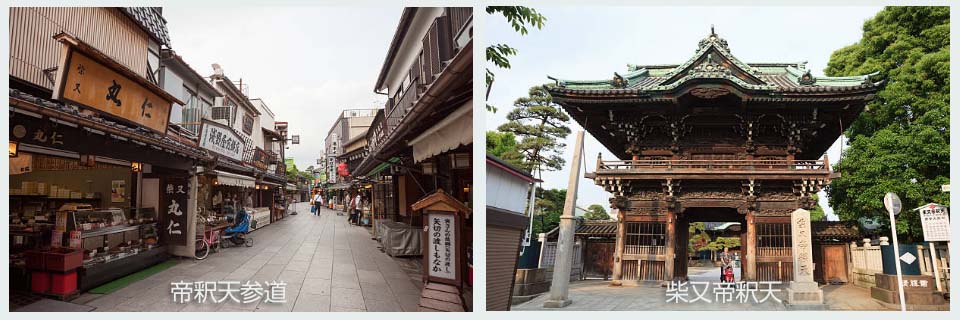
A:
{"x":834,"y":262}
{"x":599,"y":259}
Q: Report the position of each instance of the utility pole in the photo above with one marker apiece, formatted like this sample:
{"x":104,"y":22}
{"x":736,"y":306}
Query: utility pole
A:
{"x":559,"y":287}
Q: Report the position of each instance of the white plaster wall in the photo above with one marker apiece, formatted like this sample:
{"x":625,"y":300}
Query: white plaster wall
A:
{"x":410,"y":47}
{"x":505,"y":191}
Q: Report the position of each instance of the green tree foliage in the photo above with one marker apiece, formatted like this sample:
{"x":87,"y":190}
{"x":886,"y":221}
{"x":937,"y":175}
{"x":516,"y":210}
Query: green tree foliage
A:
{"x":698,"y":237}
{"x":292,"y":173}
{"x":549,"y":208}
{"x":596,"y":212}
{"x":503,"y":145}
{"x":498,"y":54}
{"x":901,"y":143}
{"x":817,"y":213}
{"x":542,"y":128}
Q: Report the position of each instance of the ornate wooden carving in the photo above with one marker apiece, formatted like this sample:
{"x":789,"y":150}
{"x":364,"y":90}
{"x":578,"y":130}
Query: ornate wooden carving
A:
{"x":709,"y":93}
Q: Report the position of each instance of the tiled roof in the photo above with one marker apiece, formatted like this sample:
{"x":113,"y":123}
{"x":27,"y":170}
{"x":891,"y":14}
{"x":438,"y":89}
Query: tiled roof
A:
{"x":712,"y":61}
{"x":146,"y":134}
{"x":150,"y":21}
{"x":835,"y":230}
{"x":597,"y":229}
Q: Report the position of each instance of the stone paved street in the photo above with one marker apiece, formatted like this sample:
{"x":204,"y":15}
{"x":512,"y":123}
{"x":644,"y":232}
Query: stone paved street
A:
{"x":327,"y":264}
{"x":596,"y":295}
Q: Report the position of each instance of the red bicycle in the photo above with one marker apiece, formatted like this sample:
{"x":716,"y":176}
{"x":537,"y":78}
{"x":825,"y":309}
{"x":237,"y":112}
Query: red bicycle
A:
{"x":212,"y":237}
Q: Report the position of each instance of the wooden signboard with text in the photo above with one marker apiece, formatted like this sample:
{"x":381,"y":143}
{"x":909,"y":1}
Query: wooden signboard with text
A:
{"x":443,"y":256}
{"x":103,"y":85}
{"x":443,"y":253}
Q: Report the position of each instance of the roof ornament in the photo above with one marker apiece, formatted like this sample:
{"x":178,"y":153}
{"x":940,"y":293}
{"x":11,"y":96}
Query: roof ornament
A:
{"x":618,"y":81}
{"x":715,"y":40}
{"x":807,"y":79}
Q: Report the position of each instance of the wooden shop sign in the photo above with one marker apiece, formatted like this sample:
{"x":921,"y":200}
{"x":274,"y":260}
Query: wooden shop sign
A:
{"x":91,"y":79}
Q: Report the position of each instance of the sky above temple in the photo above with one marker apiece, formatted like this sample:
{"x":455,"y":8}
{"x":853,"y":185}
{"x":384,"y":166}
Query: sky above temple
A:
{"x":307,"y":63}
{"x":593,"y":43}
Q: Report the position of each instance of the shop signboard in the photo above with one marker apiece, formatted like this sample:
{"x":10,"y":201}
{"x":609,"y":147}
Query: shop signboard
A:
{"x":442,"y":241}
{"x":221,"y":140}
{"x":106,"y":87}
{"x":260,"y":158}
{"x":174,"y":207}
{"x":442,"y":235}
{"x":29,"y":130}
{"x":936,"y":222}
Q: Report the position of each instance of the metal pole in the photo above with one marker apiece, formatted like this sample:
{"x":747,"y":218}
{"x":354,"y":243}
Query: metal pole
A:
{"x":896,"y":254}
{"x":559,"y":287}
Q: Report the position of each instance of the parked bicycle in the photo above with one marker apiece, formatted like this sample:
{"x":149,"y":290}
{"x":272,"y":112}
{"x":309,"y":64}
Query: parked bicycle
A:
{"x":211,"y":238}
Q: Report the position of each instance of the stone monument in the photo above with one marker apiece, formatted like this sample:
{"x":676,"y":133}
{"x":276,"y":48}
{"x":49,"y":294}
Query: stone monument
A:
{"x":803,"y":292}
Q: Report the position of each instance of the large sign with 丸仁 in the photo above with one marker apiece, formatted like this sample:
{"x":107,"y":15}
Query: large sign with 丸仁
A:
{"x":88,"y":82}
{"x":173,"y":222}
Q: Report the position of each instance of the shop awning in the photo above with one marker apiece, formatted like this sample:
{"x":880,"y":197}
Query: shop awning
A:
{"x":382,"y":166}
{"x":291,"y":186}
{"x":236,"y":180}
{"x":448,"y":134}
{"x":270,"y":183}
{"x":339,"y":186}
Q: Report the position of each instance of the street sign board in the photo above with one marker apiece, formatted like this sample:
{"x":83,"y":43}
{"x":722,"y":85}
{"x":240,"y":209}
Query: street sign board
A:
{"x":892,"y":202}
{"x":221,"y":140}
{"x":936,"y":222}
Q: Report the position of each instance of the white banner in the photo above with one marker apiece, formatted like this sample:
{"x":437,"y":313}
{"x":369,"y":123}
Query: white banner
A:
{"x":221,"y":140}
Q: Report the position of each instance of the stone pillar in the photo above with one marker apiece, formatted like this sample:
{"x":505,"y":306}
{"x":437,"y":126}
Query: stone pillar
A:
{"x":749,"y":260}
{"x":803,"y":291}
{"x":618,"y":256}
{"x":559,"y":287}
{"x":671,"y":238}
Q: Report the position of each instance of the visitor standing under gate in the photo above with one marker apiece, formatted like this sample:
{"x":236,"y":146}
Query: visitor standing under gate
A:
{"x":726,"y":261}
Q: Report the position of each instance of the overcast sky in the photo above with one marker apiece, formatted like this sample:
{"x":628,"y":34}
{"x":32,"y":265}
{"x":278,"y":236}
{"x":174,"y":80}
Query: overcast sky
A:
{"x":593,"y":43}
{"x":306,"y":62}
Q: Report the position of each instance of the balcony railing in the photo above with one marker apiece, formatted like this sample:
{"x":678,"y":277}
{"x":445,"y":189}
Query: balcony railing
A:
{"x":628,"y":166}
{"x":438,"y":49}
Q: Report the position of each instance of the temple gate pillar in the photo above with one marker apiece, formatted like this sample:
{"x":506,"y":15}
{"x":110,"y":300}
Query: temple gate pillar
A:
{"x":671,"y":245}
{"x":749,"y":260}
{"x":618,"y":256}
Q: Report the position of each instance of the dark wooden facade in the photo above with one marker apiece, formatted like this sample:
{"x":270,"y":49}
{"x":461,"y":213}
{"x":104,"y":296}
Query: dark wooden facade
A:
{"x":712,"y":139}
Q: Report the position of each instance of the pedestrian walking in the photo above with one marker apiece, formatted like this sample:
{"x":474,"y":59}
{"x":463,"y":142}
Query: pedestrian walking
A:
{"x":317,"y":203}
{"x":355,"y":209}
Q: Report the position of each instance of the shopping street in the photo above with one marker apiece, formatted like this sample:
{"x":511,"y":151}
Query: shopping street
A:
{"x":327,"y":264}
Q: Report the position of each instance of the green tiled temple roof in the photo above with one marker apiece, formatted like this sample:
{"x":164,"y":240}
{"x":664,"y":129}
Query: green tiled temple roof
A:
{"x":713,"y":60}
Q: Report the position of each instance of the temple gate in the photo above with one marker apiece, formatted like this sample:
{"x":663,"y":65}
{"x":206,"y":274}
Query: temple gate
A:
{"x":711,"y":139}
